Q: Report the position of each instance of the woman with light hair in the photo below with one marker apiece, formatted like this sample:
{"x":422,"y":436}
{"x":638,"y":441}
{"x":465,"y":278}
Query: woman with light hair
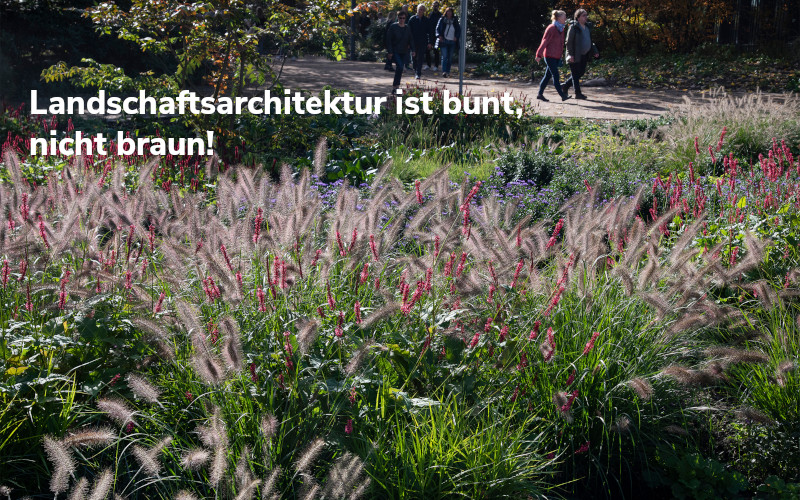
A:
{"x":551,"y":50}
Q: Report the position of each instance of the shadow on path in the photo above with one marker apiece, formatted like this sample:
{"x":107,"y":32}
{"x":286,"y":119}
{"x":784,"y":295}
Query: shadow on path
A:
{"x":370,"y":79}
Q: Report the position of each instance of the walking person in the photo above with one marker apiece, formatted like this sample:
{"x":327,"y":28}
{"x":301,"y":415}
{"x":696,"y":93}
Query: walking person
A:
{"x":551,"y":50}
{"x":391,"y":18}
{"x":398,"y":45}
{"x":433,"y":19}
{"x":420,"y":35}
{"x":447,"y":32}
{"x":579,"y":49}
{"x":405,"y":8}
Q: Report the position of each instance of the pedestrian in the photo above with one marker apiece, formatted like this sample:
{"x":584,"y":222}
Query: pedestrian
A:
{"x":433,"y":19}
{"x":551,"y":50}
{"x":420,"y":34}
{"x":398,"y":45}
{"x":391,"y":18}
{"x":579,"y":50}
{"x":405,"y":9}
{"x":447,"y":33}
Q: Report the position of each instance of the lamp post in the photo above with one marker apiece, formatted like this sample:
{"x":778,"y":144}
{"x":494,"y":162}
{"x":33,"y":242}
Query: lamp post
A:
{"x":462,"y":53}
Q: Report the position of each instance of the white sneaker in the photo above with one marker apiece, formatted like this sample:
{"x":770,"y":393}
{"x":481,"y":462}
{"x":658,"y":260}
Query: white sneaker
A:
{"x":426,"y":67}
{"x":436,"y":69}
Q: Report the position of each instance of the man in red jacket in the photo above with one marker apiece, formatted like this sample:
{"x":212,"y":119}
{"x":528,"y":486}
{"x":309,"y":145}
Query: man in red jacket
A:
{"x":552,"y":49}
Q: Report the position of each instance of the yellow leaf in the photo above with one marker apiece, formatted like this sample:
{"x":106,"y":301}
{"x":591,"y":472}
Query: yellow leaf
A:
{"x":16,"y":370}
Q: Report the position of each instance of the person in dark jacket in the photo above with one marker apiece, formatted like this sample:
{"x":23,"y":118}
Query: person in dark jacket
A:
{"x":433,"y":19}
{"x":420,"y":35}
{"x":390,"y":20}
{"x":398,"y":45}
{"x":447,"y":33}
{"x":579,"y":49}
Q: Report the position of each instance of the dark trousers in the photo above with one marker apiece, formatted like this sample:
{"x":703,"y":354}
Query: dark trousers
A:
{"x":435,"y":59}
{"x":577,"y":70}
{"x":420,"y":49}
{"x":400,"y":60}
{"x":551,"y":72}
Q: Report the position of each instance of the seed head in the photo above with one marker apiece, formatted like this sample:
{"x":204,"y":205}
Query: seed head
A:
{"x":642,"y":387}
{"x":195,"y":458}
{"x":143,"y":389}
{"x":117,"y":410}
{"x":63,"y":464}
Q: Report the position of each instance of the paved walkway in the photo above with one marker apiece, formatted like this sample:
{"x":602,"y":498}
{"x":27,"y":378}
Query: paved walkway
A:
{"x":370,"y":79}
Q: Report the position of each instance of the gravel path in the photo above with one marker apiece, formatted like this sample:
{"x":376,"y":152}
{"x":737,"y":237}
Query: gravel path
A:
{"x":370,"y":79}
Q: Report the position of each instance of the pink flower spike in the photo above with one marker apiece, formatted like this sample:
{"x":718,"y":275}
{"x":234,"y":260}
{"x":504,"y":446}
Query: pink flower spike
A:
{"x":503,"y":333}
{"x":556,"y":232}
{"x":373,"y":247}
{"x":535,"y":331}
{"x":517,"y":271}
{"x":331,"y":300}
{"x":257,"y":225}
{"x":316,"y":257}
{"x":448,"y":268}
{"x":584,"y":448}
{"x":43,"y":233}
{"x":342,"y":250}
{"x":590,"y":345}
{"x":225,"y":255}
{"x":475,"y":339}
{"x":460,"y":268}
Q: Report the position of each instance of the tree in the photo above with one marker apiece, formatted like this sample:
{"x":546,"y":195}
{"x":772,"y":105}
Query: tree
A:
{"x":636,"y":25}
{"x":224,"y":37}
{"x":508,"y":24}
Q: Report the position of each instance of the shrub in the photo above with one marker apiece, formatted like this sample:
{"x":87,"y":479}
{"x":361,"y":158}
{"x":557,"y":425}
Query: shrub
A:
{"x":533,"y":166}
{"x":692,"y":476}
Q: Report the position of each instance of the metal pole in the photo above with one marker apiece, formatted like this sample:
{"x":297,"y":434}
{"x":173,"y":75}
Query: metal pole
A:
{"x":462,"y":53}
{"x":353,"y":32}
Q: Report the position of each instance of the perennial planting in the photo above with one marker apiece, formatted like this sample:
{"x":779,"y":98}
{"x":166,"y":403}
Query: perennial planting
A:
{"x":196,"y":331}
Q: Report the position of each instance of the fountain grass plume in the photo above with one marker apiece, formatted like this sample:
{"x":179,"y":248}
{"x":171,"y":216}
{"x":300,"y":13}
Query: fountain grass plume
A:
{"x":63,"y":464}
